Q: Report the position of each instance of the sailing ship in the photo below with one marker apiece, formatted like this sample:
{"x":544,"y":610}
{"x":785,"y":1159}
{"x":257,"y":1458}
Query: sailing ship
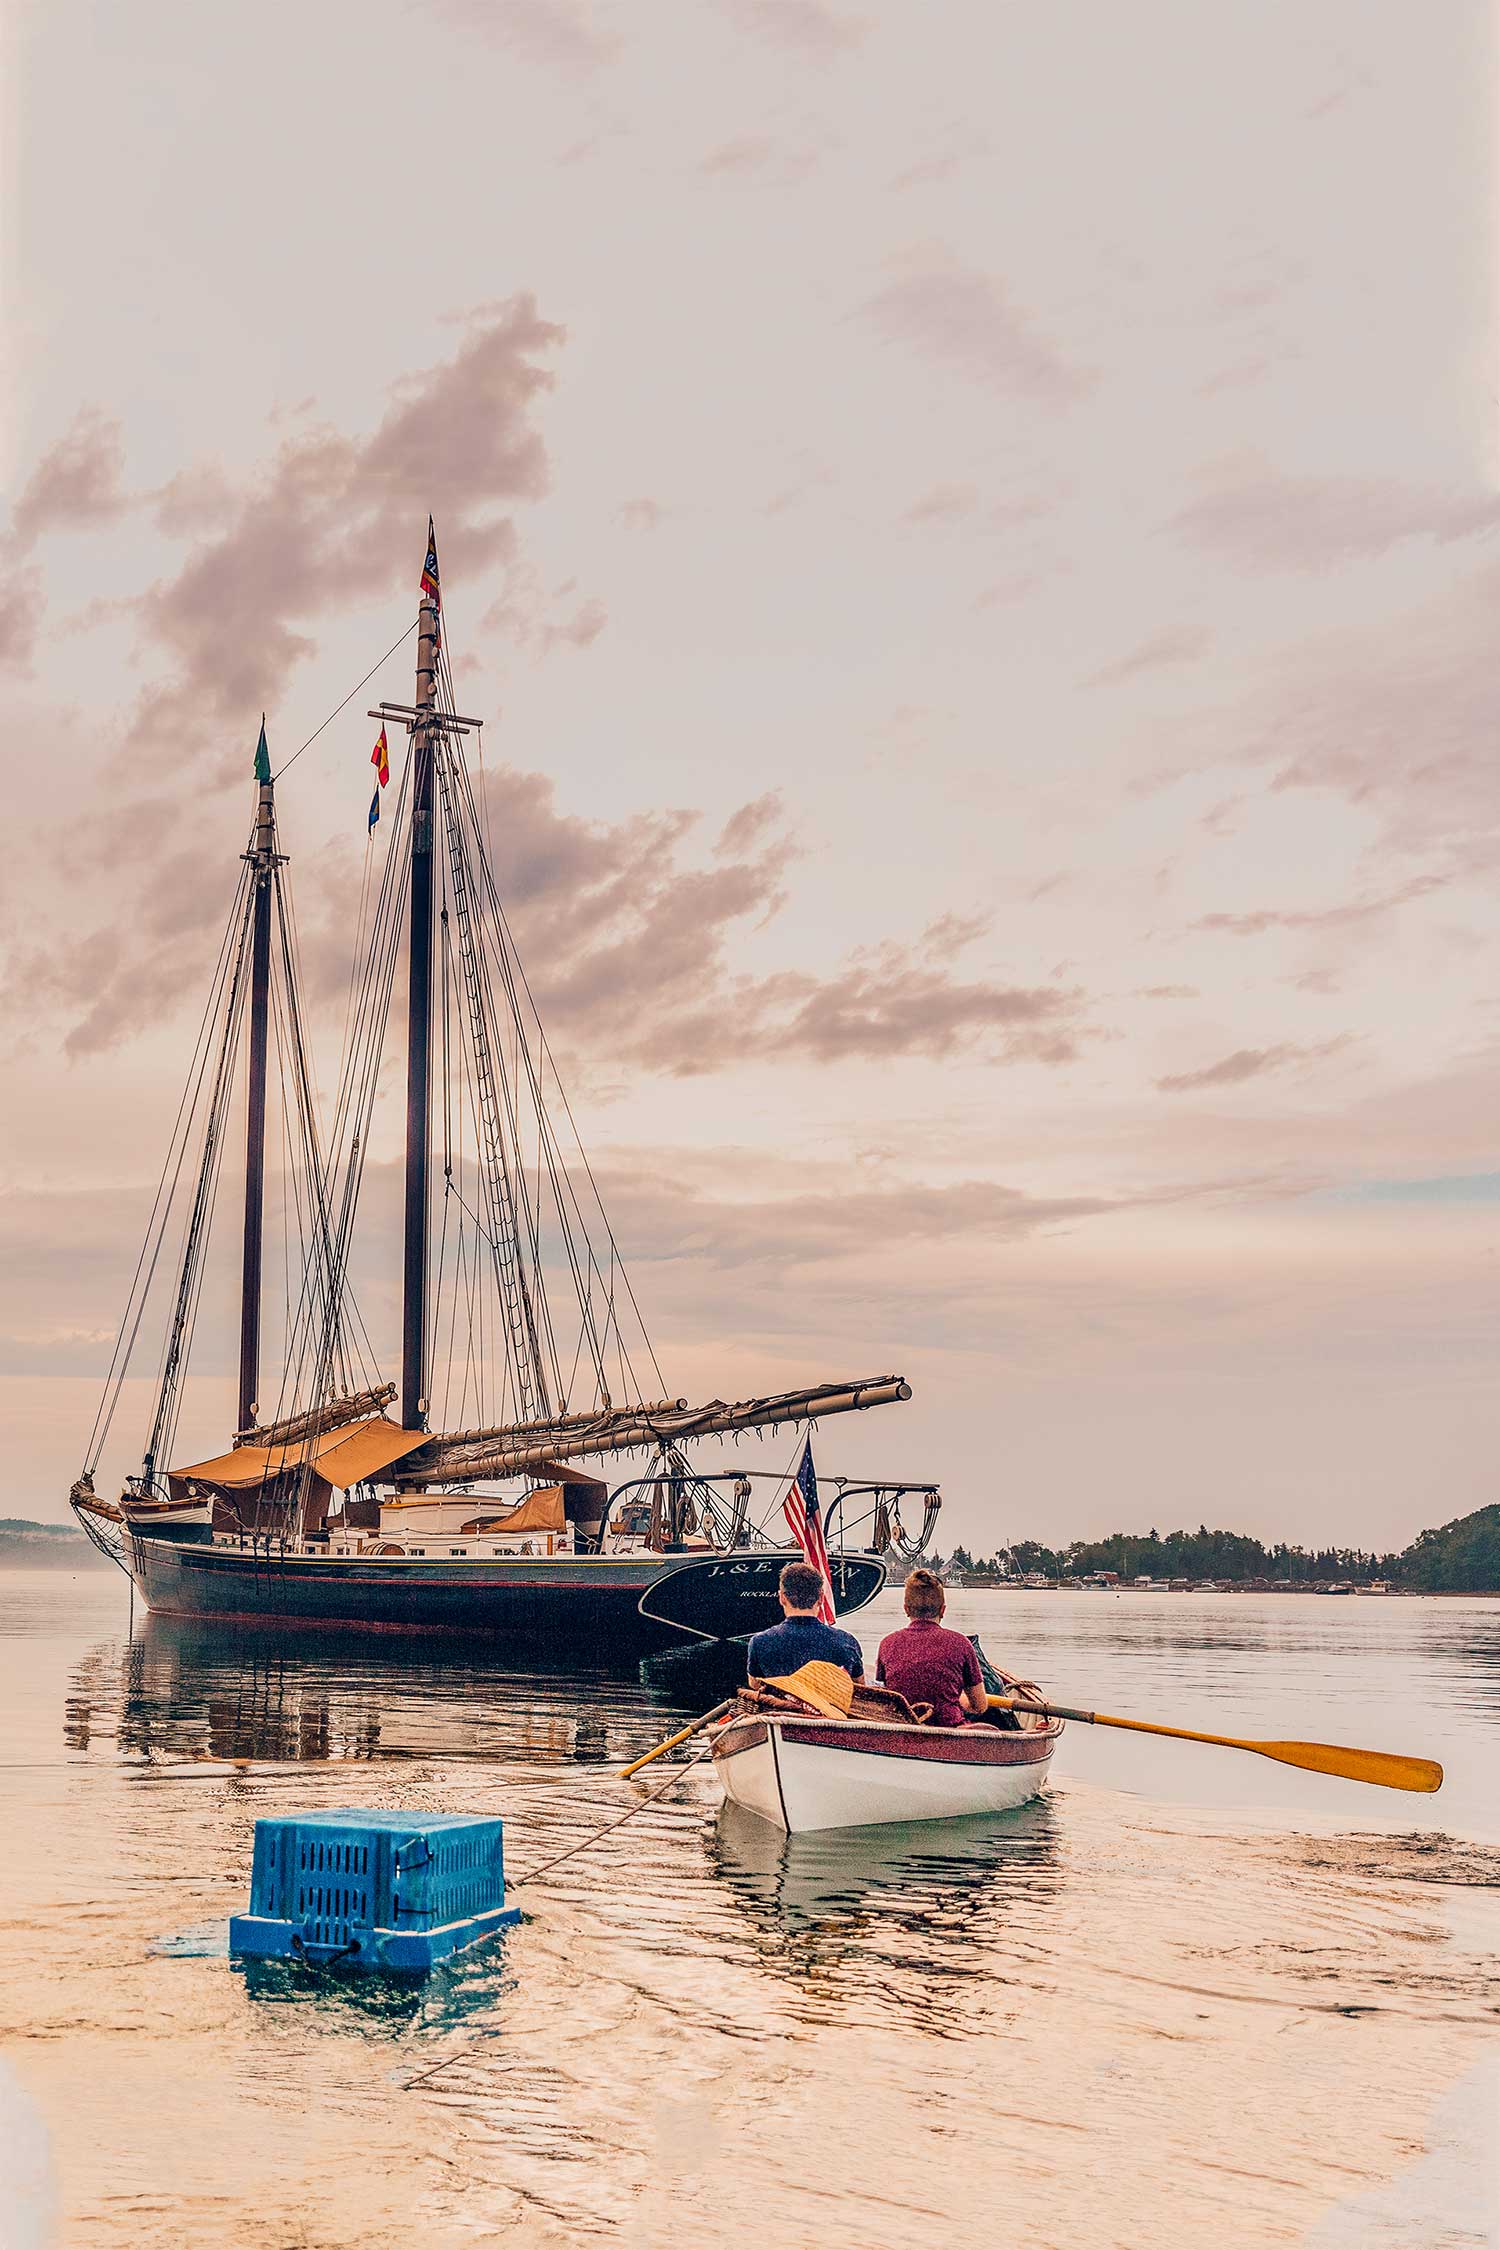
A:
{"x":472,"y":1507}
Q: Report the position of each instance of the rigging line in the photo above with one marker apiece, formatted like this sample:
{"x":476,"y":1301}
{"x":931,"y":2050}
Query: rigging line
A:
{"x":478,"y":1350}
{"x":564,"y":1195}
{"x":354,"y":950}
{"x":509,"y":956}
{"x":357,"y":1099}
{"x":286,"y":1228}
{"x":312,"y":1237}
{"x":348,"y":699}
{"x":359,"y":1081}
{"x":512,"y":1280}
{"x":348,"y":1310}
{"x":442,"y":1267}
{"x":373,"y":1004}
{"x":190,"y":1283}
{"x":161,"y":1204}
{"x":464,"y":796}
{"x":311,"y":1281}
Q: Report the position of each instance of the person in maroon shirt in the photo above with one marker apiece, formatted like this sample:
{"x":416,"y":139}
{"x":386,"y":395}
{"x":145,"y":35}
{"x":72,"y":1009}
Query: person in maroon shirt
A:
{"x":926,"y":1662}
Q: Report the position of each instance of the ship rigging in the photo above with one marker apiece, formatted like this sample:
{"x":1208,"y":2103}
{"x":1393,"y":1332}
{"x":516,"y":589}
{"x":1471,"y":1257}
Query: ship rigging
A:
{"x":523,"y":1351}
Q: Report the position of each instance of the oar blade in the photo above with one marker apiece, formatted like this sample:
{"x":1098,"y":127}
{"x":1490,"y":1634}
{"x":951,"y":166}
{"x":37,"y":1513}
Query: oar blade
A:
{"x":1387,"y":1769}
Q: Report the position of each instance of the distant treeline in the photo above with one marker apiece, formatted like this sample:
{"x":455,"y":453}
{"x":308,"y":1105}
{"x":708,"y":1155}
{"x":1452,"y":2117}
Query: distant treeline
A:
{"x":1463,"y":1557}
{"x":44,"y":1546}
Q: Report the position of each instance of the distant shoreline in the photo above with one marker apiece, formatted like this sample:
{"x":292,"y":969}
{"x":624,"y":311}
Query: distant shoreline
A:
{"x":46,"y":1546}
{"x":1261,"y":1593}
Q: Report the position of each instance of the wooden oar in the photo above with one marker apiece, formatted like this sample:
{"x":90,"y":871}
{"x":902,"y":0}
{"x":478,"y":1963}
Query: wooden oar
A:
{"x":673,"y":1739}
{"x":1384,"y":1767}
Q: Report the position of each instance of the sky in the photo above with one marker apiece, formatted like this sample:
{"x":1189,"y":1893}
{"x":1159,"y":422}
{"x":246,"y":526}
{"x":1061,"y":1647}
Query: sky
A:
{"x":975,"y":534}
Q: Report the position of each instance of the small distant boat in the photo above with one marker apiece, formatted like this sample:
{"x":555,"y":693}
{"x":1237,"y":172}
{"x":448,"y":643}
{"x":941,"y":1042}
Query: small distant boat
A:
{"x":804,"y":1769}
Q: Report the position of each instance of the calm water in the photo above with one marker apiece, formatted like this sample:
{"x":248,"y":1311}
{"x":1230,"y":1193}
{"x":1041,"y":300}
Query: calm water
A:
{"x":1188,"y":1998}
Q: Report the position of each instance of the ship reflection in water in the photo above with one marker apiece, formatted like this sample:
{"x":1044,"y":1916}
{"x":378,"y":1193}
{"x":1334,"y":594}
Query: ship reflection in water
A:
{"x":182,"y":1689}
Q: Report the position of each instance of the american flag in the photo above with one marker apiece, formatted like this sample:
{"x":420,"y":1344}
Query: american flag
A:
{"x":800,"y":1507}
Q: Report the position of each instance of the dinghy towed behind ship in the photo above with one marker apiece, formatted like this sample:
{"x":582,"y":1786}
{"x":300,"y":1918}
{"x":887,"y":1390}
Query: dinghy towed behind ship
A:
{"x":328,"y":1510}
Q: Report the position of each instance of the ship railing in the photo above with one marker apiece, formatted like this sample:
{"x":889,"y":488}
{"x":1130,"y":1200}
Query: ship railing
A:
{"x":874,"y":1501}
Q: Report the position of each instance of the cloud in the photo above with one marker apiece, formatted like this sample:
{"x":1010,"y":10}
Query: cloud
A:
{"x":99,"y":987}
{"x":20,"y":619}
{"x":336,"y":519}
{"x":1400,"y":716}
{"x":1176,"y":644}
{"x":77,"y":485}
{"x":944,"y":503}
{"x":1249,"y":1062}
{"x":667,"y":1218}
{"x":640,"y":515}
{"x":635,"y":952}
{"x":966,"y":320}
{"x":750,"y":153}
{"x":565,"y":35}
{"x":750,"y":824}
{"x":644,"y":967}
{"x":1265,"y":519}
{"x":1257,"y":922}
{"x":813,"y":30}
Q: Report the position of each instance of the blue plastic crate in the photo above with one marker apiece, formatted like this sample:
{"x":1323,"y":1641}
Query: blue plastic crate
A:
{"x":388,"y":1890}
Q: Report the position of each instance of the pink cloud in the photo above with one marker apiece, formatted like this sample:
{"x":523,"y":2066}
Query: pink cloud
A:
{"x":966,"y":320}
{"x":1249,"y":1062}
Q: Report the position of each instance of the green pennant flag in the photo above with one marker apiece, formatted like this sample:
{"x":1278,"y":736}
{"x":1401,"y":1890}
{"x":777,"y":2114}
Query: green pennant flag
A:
{"x":262,"y":756}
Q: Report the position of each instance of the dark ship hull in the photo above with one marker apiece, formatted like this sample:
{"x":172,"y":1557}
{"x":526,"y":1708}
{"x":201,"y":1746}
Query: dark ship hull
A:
{"x":582,"y":1599}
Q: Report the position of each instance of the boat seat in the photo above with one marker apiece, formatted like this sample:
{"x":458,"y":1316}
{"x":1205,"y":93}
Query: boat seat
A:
{"x":882,"y":1703}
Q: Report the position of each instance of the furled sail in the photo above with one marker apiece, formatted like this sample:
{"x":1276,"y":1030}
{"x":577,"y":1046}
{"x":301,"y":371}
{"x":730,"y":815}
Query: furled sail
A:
{"x":512,"y":1451}
{"x":333,"y":1415}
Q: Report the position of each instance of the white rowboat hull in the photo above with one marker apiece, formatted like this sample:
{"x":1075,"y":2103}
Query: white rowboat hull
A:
{"x":803,"y":1775}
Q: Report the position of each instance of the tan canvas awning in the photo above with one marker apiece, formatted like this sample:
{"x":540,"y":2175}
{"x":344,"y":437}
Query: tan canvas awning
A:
{"x":541,"y":1510}
{"x":341,"y":1457}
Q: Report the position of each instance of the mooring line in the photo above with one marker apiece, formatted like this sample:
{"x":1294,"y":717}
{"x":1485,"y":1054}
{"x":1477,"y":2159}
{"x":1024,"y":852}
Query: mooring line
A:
{"x":610,"y":1826}
{"x":460,"y":2054}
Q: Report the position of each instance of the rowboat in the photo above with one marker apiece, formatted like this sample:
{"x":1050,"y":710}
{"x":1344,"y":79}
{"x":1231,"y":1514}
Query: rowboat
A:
{"x":808,"y":1769}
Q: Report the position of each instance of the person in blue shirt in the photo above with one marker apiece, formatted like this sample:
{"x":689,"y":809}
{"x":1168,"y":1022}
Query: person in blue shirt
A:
{"x":803,"y":1638}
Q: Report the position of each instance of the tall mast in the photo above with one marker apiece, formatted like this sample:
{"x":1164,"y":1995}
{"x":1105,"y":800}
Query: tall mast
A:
{"x":419,"y":1010}
{"x":262,"y":858}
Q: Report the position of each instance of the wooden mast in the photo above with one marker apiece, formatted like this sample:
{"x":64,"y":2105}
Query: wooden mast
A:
{"x":262,"y":858}
{"x":419,"y":1011}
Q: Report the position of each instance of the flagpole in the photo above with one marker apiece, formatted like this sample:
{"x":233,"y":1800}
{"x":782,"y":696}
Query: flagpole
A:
{"x":262,"y":858}
{"x":419,"y":1018}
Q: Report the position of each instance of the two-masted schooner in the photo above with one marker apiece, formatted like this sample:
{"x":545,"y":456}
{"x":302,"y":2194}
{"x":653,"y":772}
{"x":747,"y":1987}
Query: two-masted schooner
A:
{"x":475,"y":1509}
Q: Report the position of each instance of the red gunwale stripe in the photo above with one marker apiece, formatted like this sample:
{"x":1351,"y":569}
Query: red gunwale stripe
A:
{"x":739,"y":1734}
{"x":940,"y":1746}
